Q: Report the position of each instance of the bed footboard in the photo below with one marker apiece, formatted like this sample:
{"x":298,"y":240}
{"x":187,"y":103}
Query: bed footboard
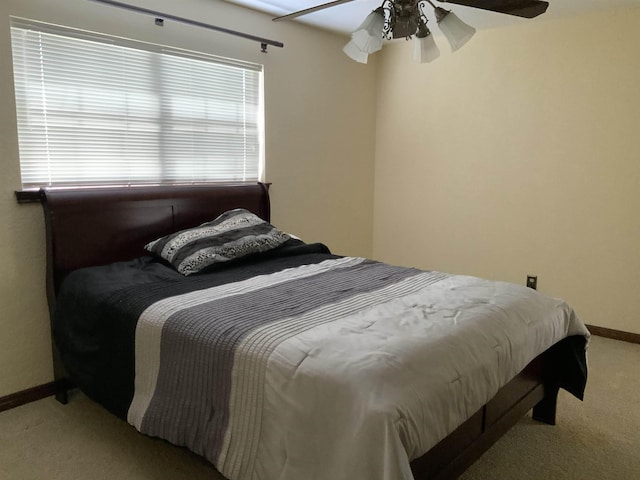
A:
{"x":458,"y":451}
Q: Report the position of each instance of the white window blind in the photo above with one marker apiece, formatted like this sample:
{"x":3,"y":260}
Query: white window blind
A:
{"x":99,"y":110}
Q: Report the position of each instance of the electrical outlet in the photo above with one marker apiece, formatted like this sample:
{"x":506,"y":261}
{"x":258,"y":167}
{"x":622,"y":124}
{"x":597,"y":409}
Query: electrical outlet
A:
{"x":532,"y":281}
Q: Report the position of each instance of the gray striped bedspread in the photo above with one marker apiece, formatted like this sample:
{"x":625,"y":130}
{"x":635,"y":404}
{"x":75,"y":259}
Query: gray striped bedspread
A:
{"x":343,"y":369}
{"x":214,"y":366}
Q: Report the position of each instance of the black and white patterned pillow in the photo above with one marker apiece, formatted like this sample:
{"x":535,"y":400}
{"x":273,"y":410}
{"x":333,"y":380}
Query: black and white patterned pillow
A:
{"x":234,"y":234}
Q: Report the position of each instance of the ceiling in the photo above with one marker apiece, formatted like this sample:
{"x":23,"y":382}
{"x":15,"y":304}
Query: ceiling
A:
{"x":347,"y":17}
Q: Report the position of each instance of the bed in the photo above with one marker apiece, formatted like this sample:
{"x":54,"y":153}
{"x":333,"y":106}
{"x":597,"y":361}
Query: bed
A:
{"x":94,"y":235}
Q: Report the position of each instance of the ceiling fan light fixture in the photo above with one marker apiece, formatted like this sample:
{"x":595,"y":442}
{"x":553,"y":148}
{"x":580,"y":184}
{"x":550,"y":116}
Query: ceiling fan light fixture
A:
{"x":455,"y":30}
{"x":407,"y":19}
{"x":355,"y":53}
{"x":368,"y":36}
{"x":425,"y":49}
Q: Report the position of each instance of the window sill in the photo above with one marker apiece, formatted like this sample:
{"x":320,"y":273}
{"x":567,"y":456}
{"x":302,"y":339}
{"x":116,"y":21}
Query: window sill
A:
{"x":28,"y":196}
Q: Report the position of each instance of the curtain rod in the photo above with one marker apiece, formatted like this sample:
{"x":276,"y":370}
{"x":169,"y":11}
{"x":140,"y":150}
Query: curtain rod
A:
{"x":160,"y":16}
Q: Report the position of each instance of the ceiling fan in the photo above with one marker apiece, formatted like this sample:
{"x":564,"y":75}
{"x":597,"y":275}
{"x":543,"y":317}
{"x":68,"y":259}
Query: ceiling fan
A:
{"x":406,"y":19}
{"x":519,"y":8}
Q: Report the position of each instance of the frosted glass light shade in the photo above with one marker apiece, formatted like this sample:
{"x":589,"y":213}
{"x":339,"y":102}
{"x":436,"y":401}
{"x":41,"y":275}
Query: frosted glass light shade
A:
{"x":368,"y":36}
{"x":355,"y":53}
{"x":425,"y":49}
{"x":455,"y":30}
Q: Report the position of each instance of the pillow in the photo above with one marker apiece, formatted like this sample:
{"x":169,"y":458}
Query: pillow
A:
{"x":234,"y":234}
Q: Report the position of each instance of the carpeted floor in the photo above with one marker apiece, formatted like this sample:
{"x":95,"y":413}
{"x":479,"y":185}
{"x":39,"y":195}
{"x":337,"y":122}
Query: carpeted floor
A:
{"x":597,"y":439}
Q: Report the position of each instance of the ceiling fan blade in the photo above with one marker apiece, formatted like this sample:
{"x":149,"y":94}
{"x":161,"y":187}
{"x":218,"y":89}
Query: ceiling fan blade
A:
{"x":306,"y":11}
{"x":519,"y":8}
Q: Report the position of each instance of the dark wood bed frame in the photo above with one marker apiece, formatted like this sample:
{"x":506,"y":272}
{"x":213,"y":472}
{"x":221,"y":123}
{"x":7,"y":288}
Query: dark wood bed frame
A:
{"x":88,"y":227}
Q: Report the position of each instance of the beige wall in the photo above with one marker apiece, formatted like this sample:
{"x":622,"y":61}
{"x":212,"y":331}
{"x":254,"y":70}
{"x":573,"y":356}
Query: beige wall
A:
{"x":516,"y":155}
{"x":320,"y":117}
{"x":519,"y":154}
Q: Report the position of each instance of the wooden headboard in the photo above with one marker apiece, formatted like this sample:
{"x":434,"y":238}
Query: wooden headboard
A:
{"x":98,"y":226}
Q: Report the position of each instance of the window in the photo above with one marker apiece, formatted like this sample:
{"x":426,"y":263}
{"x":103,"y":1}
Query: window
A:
{"x":100,"y":110}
